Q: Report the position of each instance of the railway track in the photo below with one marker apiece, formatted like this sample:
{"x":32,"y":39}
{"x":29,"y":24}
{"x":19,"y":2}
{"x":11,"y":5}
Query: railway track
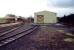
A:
{"x":4,"y":29}
{"x":11,"y":30}
{"x":15,"y":34}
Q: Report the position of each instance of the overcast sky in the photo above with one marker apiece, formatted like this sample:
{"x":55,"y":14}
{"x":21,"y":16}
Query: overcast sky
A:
{"x":28,"y":7}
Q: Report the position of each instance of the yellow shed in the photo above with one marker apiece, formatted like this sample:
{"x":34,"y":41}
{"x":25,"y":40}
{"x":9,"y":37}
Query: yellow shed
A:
{"x":45,"y":17}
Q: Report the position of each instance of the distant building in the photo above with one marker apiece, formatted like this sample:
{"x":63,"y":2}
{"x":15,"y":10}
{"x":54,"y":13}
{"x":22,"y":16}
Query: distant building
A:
{"x":45,"y":17}
{"x":11,"y":18}
{"x":7,"y":19}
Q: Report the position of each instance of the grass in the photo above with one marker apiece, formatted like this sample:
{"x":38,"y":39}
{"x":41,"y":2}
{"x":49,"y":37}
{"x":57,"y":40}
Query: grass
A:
{"x":61,"y":31}
{"x":68,"y":39}
{"x":2,"y":20}
{"x":69,"y":34}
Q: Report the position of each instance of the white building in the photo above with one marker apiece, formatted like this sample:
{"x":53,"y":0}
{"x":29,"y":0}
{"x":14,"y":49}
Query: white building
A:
{"x":45,"y":17}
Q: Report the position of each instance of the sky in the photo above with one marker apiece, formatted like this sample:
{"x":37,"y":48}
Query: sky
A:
{"x":27,"y":8}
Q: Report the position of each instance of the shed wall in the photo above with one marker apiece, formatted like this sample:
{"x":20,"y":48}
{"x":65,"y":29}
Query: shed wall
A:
{"x":49,"y":17}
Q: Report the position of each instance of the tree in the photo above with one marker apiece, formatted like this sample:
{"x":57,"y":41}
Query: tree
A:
{"x":10,"y":15}
{"x":68,"y":20}
{"x":30,"y":19}
{"x":21,"y":19}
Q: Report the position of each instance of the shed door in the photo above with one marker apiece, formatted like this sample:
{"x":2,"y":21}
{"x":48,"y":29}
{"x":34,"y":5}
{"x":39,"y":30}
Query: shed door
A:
{"x":40,"y":18}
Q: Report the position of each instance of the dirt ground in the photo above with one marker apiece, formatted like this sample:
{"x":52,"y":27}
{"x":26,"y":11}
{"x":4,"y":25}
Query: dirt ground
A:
{"x":44,"y":38}
{"x":48,"y":38}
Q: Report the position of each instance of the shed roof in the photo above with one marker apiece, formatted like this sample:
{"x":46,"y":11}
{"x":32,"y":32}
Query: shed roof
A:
{"x":45,"y":11}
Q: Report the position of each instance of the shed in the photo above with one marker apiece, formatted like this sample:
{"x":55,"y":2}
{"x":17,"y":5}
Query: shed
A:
{"x":45,"y":17}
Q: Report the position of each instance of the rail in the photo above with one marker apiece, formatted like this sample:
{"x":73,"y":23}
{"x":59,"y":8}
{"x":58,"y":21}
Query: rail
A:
{"x":7,"y":40}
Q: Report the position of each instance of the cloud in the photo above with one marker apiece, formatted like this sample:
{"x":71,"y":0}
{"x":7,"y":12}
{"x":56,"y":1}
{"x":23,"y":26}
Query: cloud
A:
{"x":28,"y":7}
{"x":62,"y":3}
{"x":22,"y":7}
{"x":64,"y":11}
{"x":61,"y":7}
